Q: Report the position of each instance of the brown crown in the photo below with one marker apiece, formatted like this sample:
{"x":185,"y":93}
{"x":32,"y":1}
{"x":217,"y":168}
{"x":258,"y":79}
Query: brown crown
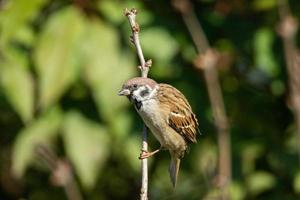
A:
{"x":141,"y":81}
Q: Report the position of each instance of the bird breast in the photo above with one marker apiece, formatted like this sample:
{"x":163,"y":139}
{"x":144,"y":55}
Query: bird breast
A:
{"x":151,"y":115}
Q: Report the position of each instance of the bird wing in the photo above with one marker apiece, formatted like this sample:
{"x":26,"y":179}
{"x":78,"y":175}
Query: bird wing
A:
{"x":180,"y":115}
{"x":184,"y":125}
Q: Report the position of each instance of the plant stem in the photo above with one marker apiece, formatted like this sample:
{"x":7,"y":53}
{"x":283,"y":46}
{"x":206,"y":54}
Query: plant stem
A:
{"x":287,"y":29}
{"x":207,"y":61}
{"x":62,"y":174}
{"x":144,"y":67}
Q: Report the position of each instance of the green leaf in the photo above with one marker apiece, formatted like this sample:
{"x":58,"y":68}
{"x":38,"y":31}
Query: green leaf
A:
{"x":260,"y":181}
{"x":189,"y":52}
{"x":161,"y":47}
{"x":121,"y":125}
{"x":250,"y":153}
{"x":15,"y":16}
{"x":277,"y":87}
{"x":17,"y":83}
{"x":297,"y":183}
{"x":56,"y":55}
{"x":43,"y":130}
{"x":112,"y":10}
{"x":132,"y":149}
{"x":264,"y":58}
{"x":26,"y":36}
{"x":262,"y":5}
{"x":158,"y":44}
{"x":206,"y":159}
{"x":106,"y":67}
{"x":87,"y":146}
{"x":237,"y":191}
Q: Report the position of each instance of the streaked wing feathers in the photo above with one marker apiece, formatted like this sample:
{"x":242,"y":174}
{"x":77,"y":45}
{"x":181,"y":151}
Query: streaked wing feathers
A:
{"x":180,"y":117}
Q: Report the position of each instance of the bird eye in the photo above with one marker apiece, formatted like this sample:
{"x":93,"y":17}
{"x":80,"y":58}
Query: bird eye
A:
{"x":134,"y":86}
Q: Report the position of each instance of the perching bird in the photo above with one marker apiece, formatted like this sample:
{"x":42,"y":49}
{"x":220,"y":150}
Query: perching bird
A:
{"x":168,"y":115}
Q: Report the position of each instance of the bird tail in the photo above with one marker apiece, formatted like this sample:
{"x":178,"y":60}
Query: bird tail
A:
{"x":174,"y":168}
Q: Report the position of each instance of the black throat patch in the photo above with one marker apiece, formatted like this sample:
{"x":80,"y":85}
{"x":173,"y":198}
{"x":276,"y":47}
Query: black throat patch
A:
{"x":138,"y":104}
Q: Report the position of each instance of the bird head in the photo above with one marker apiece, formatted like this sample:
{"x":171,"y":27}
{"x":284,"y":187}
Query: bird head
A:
{"x":138,"y":89}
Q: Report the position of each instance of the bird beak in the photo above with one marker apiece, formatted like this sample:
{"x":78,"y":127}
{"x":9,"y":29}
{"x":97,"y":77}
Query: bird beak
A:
{"x":124,"y":92}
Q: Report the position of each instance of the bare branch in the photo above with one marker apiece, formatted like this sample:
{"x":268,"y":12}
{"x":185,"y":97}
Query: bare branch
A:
{"x":207,"y":60}
{"x":131,"y":15}
{"x":199,"y":38}
{"x":144,"y":67}
{"x":62,"y":173}
{"x":287,"y":29}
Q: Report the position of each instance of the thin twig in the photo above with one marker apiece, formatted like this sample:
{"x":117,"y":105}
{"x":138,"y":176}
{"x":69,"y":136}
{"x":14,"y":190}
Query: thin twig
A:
{"x":144,"y":67}
{"x":207,"y":61}
{"x":287,"y":29}
{"x":62,"y":174}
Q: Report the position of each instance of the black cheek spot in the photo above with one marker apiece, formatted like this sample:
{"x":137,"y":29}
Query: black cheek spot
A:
{"x":144,"y":92}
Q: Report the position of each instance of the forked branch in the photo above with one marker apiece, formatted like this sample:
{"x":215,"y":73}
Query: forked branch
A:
{"x":287,"y":29}
{"x":61,"y":171}
{"x":207,"y":61}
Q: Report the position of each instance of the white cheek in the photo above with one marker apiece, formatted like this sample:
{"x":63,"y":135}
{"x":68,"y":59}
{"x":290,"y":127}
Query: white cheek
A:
{"x":136,"y":95}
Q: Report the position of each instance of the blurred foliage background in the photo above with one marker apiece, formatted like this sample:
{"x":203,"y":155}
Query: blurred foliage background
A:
{"x":63,"y":62}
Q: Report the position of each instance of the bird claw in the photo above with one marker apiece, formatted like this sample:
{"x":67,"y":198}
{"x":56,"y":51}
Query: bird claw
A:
{"x":144,"y":154}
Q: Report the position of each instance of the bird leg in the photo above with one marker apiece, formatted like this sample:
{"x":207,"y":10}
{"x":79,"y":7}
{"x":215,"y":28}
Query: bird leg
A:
{"x":146,"y":154}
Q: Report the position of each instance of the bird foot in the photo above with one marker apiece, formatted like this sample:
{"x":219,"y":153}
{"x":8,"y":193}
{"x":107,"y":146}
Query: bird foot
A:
{"x":145,"y":154}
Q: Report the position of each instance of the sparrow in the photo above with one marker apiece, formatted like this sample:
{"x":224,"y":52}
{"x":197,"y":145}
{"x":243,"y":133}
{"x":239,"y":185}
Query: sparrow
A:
{"x":168,"y":115}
